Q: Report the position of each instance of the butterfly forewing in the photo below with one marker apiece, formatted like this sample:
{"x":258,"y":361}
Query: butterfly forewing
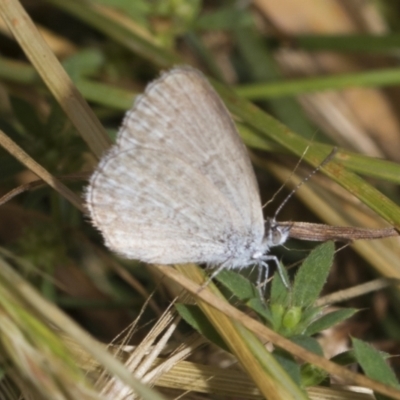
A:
{"x":181,"y":112}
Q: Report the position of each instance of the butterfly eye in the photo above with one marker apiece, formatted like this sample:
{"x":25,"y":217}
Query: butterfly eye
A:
{"x":279,"y":234}
{"x":275,"y":234}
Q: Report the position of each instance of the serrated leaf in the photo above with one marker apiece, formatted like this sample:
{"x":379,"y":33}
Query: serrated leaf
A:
{"x":330,"y":319}
{"x":374,"y":365}
{"x":312,"y":275}
{"x":198,"y":321}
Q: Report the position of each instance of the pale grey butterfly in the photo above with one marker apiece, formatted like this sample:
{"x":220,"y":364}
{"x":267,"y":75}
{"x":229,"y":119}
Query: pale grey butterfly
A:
{"x":178,"y":186}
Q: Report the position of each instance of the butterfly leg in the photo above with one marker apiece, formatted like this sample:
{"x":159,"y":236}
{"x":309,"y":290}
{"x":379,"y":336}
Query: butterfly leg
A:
{"x":274,"y":259}
{"x":263,"y":270}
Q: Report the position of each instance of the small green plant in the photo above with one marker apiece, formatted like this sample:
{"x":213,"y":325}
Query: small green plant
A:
{"x":291,"y":312}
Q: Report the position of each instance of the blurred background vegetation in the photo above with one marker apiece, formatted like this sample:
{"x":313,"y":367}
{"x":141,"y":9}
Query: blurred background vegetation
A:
{"x":326,"y":69}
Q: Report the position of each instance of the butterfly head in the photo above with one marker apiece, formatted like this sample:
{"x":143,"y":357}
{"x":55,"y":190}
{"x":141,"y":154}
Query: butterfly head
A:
{"x":275,"y":233}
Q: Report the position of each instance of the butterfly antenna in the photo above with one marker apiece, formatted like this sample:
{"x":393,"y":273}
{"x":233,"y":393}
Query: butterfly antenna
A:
{"x":288,"y":178}
{"x":307,"y":178}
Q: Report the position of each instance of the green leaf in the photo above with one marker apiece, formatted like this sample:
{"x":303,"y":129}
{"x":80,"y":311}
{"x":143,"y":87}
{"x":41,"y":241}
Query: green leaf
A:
{"x":289,"y":364}
{"x":305,"y":374}
{"x":312,"y":375}
{"x":312,"y":275}
{"x":260,"y":308}
{"x":330,"y":319}
{"x":308,"y":343}
{"x":84,"y":63}
{"x":241,"y":287}
{"x":309,"y":315}
{"x":280,"y":294}
{"x":245,"y":291}
{"x":197,"y":320}
{"x":346,"y":358}
{"x":374,"y":365}
{"x":277,"y":312}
